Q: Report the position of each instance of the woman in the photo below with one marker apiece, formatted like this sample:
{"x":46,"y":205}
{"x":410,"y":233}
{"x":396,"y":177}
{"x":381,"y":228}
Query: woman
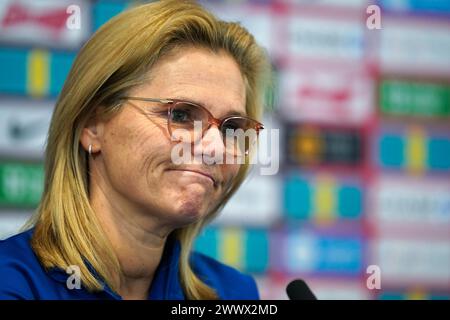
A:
{"x":119,"y":212}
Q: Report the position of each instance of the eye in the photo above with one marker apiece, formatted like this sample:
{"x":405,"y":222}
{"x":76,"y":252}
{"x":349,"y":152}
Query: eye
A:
{"x":180,"y":115}
{"x":231,"y":125}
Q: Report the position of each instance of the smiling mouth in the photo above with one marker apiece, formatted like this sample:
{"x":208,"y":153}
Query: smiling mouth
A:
{"x":198,"y":172}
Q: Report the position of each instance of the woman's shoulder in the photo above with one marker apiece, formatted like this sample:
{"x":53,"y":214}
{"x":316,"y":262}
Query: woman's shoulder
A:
{"x":17,"y":262}
{"x":16,"y":249}
{"x":20,"y":241}
{"x":228,"y":282}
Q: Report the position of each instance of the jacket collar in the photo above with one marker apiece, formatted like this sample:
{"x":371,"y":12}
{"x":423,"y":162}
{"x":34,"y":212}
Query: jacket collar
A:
{"x":165,"y":285}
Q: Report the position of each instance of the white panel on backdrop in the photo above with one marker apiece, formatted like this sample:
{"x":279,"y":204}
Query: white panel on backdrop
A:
{"x":323,"y":288}
{"x":413,"y":202}
{"x":258,"y":201}
{"x":348,"y":4}
{"x":256,"y":20}
{"x":322,"y":38}
{"x":412,"y":261}
{"x":335,"y":289}
{"x":11,"y":222}
{"x":415,"y":47}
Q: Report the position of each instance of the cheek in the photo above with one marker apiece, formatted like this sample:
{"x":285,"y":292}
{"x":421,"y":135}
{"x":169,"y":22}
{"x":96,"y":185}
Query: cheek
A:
{"x":230,"y":172}
{"x":133,"y":150}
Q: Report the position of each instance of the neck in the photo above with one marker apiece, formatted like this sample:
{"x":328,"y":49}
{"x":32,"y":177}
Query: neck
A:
{"x":136,"y":237}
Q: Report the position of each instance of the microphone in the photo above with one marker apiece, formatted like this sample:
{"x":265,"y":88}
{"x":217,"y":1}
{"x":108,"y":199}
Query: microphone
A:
{"x":299,"y":290}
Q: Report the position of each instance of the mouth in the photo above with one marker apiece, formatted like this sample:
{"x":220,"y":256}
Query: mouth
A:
{"x":198,"y":172}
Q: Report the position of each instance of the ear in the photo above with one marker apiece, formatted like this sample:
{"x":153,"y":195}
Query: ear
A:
{"x":92,"y":134}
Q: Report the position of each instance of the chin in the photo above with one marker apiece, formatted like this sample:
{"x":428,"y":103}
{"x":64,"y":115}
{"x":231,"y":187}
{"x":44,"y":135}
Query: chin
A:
{"x":191,"y":211}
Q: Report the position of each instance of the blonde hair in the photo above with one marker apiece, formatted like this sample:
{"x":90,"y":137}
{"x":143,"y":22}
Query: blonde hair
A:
{"x":113,"y":61}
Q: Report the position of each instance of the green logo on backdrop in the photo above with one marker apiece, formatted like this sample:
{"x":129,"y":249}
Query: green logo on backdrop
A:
{"x":21,"y":184}
{"x":407,"y":98}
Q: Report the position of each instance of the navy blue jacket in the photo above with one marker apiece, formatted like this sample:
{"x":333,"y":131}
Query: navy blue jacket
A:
{"x":23,"y":277}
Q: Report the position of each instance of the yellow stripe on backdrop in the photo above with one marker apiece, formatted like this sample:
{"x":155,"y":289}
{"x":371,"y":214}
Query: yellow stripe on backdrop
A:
{"x":38,"y":70}
{"x":325,"y":202}
{"x":231,"y":246}
{"x":416,"y":150}
{"x":416,"y":294}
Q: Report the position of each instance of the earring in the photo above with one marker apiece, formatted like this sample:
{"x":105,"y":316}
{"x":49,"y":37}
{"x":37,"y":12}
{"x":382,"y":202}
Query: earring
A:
{"x":90,"y":149}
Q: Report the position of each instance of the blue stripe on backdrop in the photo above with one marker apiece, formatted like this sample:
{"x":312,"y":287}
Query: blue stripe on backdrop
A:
{"x":59,"y":69}
{"x":13,"y":63}
{"x":105,"y":10}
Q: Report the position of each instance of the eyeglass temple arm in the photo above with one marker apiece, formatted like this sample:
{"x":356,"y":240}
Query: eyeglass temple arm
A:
{"x":148,"y":99}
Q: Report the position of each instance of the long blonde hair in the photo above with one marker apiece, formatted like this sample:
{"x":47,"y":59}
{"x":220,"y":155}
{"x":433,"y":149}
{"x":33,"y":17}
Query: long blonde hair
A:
{"x":114,"y":60}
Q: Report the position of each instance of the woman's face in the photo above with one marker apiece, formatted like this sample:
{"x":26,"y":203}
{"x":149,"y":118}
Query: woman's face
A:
{"x":134,"y":146}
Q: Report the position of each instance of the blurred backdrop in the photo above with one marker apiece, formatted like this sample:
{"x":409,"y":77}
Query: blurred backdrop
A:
{"x":362,"y":105}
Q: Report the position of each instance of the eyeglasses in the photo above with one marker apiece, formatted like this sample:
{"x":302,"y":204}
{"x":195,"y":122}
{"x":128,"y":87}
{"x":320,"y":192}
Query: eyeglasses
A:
{"x":187,"y":121}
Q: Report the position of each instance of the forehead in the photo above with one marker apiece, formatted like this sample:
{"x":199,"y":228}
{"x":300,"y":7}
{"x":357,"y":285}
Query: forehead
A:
{"x":212,"y":79}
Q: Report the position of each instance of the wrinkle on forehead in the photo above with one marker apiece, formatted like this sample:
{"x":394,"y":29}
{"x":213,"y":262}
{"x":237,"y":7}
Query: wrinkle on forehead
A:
{"x":211,"y":79}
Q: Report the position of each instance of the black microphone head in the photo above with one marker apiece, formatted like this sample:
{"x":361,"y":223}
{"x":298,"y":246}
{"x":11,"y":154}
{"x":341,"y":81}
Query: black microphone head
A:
{"x":299,"y":290}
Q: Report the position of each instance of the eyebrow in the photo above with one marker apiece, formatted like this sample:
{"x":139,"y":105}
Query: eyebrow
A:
{"x":228,"y":114}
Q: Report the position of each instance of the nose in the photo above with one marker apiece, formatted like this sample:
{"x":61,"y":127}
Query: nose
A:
{"x":211,"y":146}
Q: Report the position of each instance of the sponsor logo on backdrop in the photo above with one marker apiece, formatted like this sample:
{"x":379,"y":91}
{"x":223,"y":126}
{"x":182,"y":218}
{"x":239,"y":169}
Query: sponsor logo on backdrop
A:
{"x":314,"y":253}
{"x":23,"y":128}
{"x":335,"y":96}
{"x":399,"y":97}
{"x":309,"y":145}
{"x":46,"y":22}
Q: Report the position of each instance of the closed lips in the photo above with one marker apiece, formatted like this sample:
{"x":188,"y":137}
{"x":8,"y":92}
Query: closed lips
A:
{"x":199,"y":172}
